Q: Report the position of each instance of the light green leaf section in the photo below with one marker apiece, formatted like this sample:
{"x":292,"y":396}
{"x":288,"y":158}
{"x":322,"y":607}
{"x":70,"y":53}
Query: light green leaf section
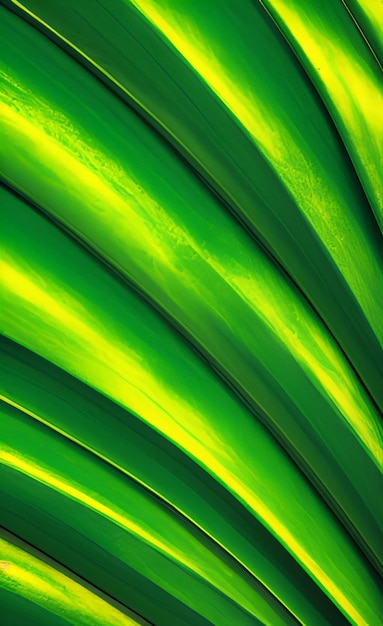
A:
{"x":191,"y":309}
{"x":23,"y":574}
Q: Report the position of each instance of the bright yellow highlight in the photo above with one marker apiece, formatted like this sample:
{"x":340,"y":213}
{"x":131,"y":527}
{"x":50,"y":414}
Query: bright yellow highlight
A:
{"x":98,"y":454}
{"x":324,"y":206}
{"x":126,"y":376}
{"x":116,"y":201}
{"x":150,"y":489}
{"x":349,"y":83}
{"x":314,"y":191}
{"x":93,"y":502}
{"x":216,"y":573}
{"x":88,"y":58}
{"x":95,"y":348}
{"x":90,"y":173}
{"x":311,"y":349}
{"x":374,"y":11}
{"x":17,"y":462}
{"x":83,"y":336}
{"x":25,"y":575}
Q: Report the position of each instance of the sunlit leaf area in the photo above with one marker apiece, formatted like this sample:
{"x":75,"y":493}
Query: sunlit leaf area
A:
{"x":191,"y":370}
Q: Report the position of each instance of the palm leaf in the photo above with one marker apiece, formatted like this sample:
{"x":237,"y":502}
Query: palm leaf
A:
{"x":192,"y":313}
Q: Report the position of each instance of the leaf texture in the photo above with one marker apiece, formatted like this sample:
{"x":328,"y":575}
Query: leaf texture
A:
{"x":192,"y":298}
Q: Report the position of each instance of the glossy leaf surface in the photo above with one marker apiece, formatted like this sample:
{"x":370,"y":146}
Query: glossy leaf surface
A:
{"x":191,"y":312}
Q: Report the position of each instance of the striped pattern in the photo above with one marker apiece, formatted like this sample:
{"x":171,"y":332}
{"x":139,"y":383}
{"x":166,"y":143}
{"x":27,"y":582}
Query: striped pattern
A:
{"x":192,"y":312}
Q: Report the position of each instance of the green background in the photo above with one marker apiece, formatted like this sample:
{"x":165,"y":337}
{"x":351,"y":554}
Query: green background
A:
{"x":191,"y":312}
